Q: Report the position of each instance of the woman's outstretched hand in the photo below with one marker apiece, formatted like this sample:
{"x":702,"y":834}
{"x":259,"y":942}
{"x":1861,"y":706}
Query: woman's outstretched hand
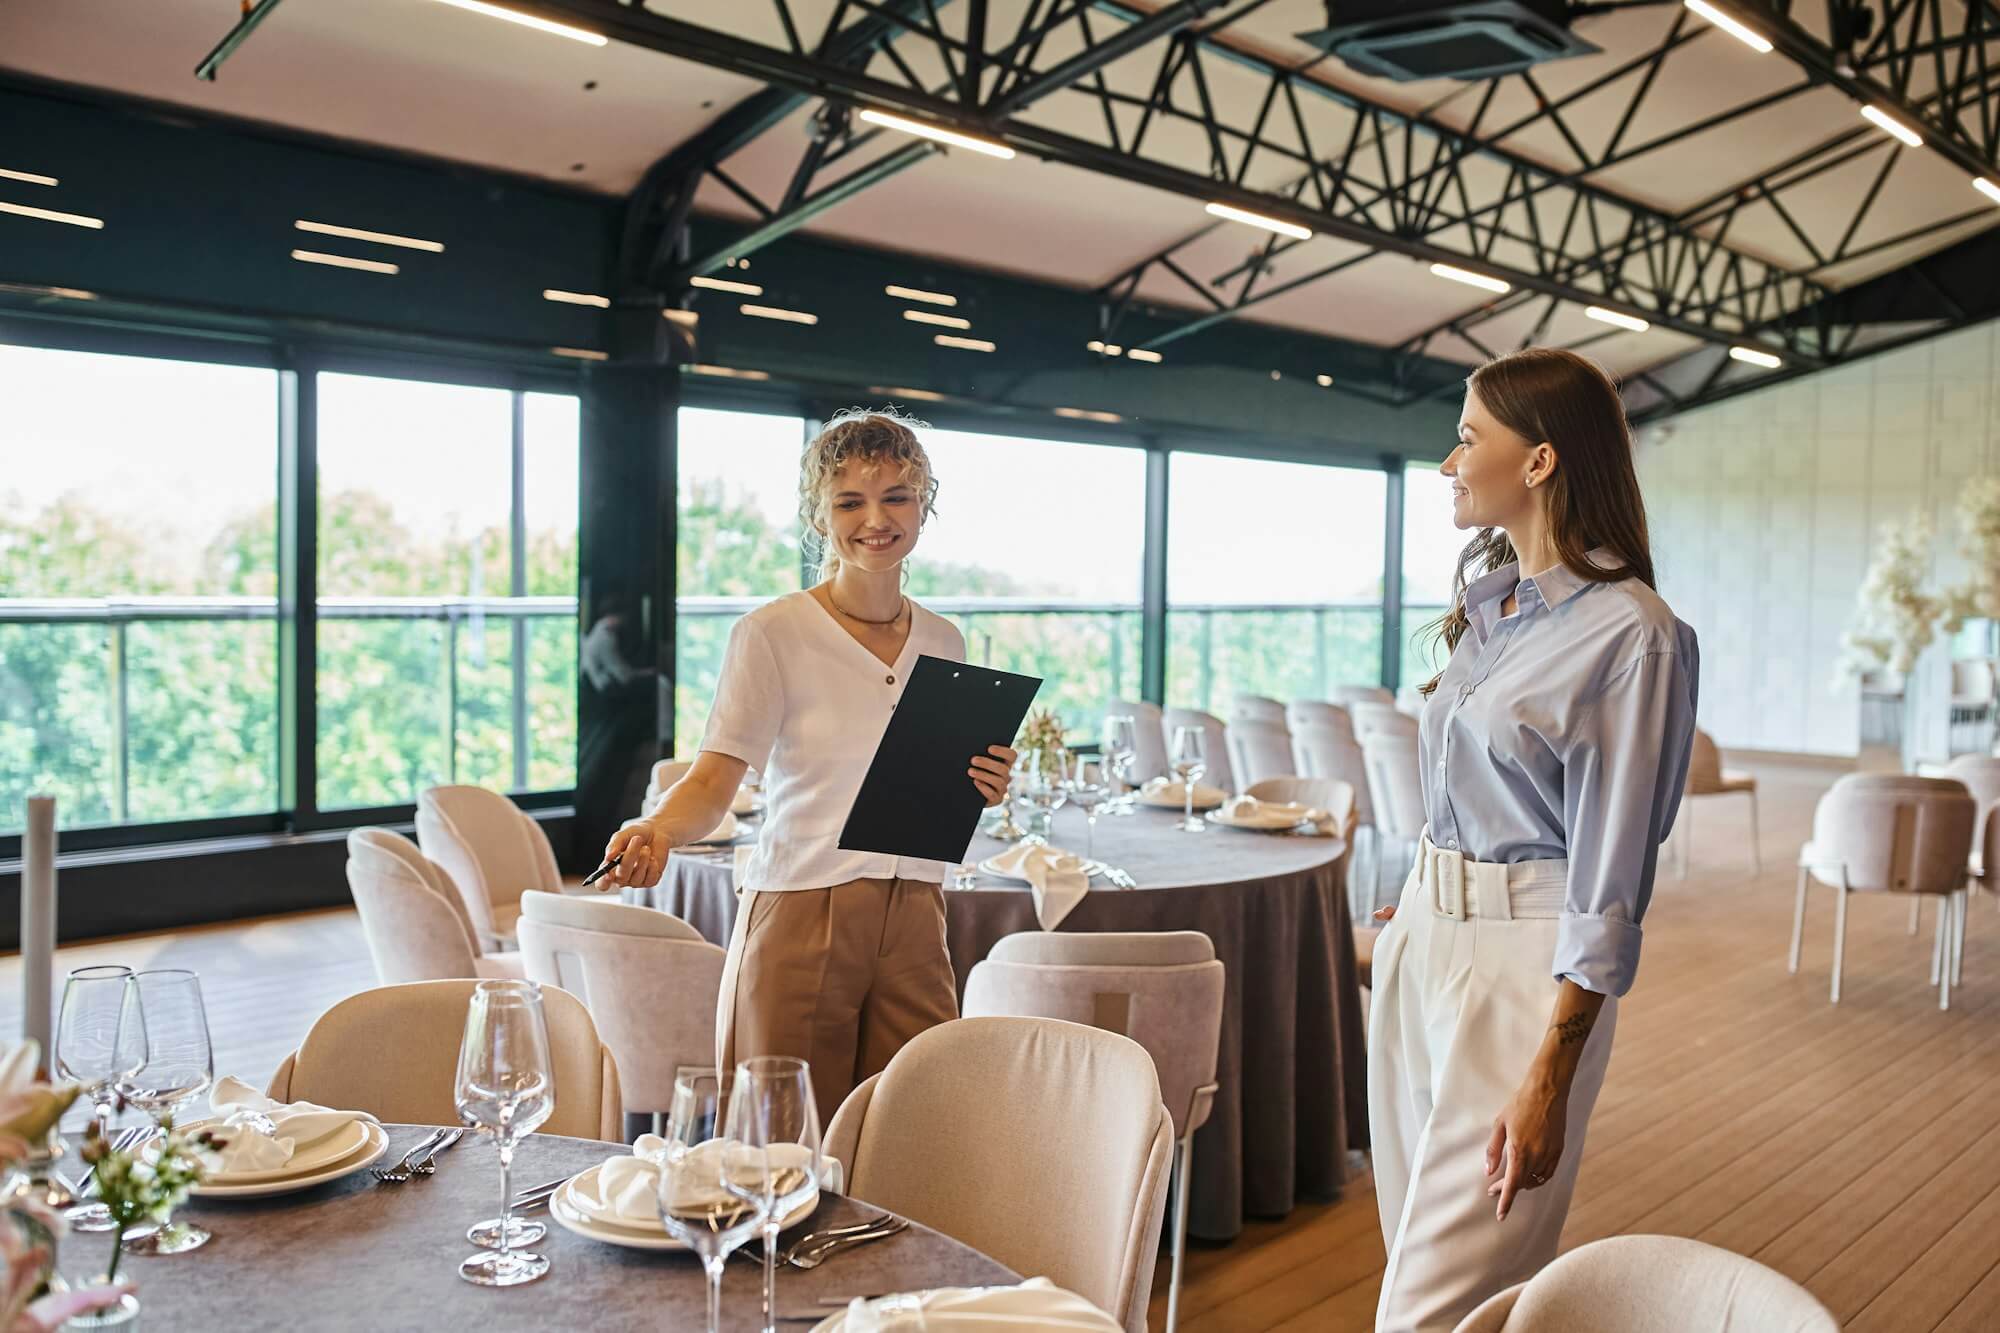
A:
{"x":989,"y":772}
{"x":642,"y":848}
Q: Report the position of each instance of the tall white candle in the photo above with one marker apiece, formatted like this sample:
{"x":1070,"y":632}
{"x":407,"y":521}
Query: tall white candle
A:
{"x":38,"y":921}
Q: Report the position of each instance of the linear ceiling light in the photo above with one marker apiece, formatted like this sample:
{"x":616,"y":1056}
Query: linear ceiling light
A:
{"x":50,"y":215}
{"x":344,"y":261}
{"x":378,"y":237}
{"x":1145,"y":354}
{"x":687,"y":319}
{"x":1469,"y":278}
{"x":1244,"y":215}
{"x":730,"y":372}
{"x":576,"y":298}
{"x":1877,"y":116}
{"x":969,"y":344}
{"x":942,"y":321}
{"x":1084,"y":414}
{"x":774,"y":312}
{"x":896,"y":391}
{"x":33,"y":289}
{"x":1617,"y":317}
{"x":918,"y":294}
{"x":1987,"y":188}
{"x":28,"y":176}
{"x":933,"y":132}
{"x":1750,"y":37}
{"x":582,"y":353}
{"x":1324,"y":381}
{"x":1104,"y":348}
{"x":528,"y":21}
{"x":1754,"y":357}
{"x":725,"y":285}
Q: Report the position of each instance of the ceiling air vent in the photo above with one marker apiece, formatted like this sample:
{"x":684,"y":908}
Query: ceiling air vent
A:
{"x":1409,"y":40}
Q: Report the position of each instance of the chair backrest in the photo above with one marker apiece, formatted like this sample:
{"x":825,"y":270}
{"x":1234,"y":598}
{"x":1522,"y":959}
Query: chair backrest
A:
{"x":1131,"y":948}
{"x":1317,"y":713}
{"x":492,"y":850}
{"x":1893,"y":833}
{"x":393,"y":1052}
{"x":1395,"y":783}
{"x":665,"y":774}
{"x":1259,"y":750}
{"x":1653,"y":1284}
{"x":1332,"y":752}
{"x":1704,"y":765}
{"x":1150,"y":754}
{"x":1370,"y":717}
{"x":1216,"y":741}
{"x":1042,"y":1143}
{"x":1349,"y":695}
{"x":1257,"y":708}
{"x":1981,"y":775}
{"x":1329,"y":794}
{"x":1410,"y":701}
{"x":1173,"y":1009}
{"x":649,"y":980}
{"x":417,"y":926}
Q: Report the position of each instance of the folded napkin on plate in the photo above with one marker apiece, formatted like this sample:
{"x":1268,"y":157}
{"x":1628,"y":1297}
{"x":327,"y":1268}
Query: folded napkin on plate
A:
{"x":1248,"y":809}
{"x":1036,"y":1303}
{"x":744,"y":801}
{"x":1166,"y":789}
{"x":626,"y":1191}
{"x":1056,"y":876}
{"x":245,"y":1114}
{"x":724,"y":831}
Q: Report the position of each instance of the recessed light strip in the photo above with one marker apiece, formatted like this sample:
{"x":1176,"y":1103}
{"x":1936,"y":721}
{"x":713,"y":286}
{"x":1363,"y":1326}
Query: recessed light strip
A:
{"x":1471,"y":279}
{"x":50,"y":215}
{"x":1750,"y":37}
{"x":528,"y":21}
{"x":895,"y":391}
{"x":727,"y":285}
{"x":1145,"y":354}
{"x":1245,"y":216}
{"x":942,"y":321}
{"x":1987,"y":188}
{"x":1085,"y":414}
{"x":968,"y":344}
{"x":377,"y":237}
{"x":730,"y":372}
{"x":344,"y":261}
{"x":1755,"y":357}
{"x":774,"y":312}
{"x":919,"y":294}
{"x":687,"y":319}
{"x":576,"y":298}
{"x":28,"y":176}
{"x":1876,"y":116}
{"x":1617,"y":317}
{"x":582,"y":353}
{"x":937,"y":134}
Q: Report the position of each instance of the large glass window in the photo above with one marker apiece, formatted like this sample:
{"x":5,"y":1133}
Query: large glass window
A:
{"x":1431,"y":545}
{"x":138,"y":583}
{"x":1274,"y":579}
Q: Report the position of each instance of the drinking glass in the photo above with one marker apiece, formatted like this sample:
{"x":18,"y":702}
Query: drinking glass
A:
{"x":772,"y":1112}
{"x":1041,"y":781}
{"x":697,"y":1204}
{"x":171,"y":1064}
{"x":100,"y":1039}
{"x":504,"y":1089}
{"x":1121,"y":751}
{"x":1190,"y":761}
{"x":1083,"y":782}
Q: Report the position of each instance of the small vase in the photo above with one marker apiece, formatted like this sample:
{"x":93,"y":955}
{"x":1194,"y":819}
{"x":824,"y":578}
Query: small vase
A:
{"x":124,"y":1316}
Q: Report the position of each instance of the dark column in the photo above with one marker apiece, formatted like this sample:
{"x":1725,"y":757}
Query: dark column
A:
{"x":1153,"y":636}
{"x":1392,"y":572}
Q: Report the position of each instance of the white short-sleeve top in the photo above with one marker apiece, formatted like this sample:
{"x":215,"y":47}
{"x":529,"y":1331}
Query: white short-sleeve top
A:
{"x":802,"y":702}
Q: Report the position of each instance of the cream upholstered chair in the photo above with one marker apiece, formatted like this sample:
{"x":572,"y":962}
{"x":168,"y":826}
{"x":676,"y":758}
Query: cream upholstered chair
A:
{"x":1259,"y":750}
{"x":393,"y":1052}
{"x":648,"y":979}
{"x":492,"y":850}
{"x":1371,"y":717}
{"x":1322,"y":752}
{"x":1981,"y":775}
{"x":1410,"y":701}
{"x":1888,"y":833}
{"x":1316,"y":713}
{"x":1257,"y":708}
{"x":1214,"y":738}
{"x":665,"y":774}
{"x":1707,"y":777}
{"x":1162,"y":990}
{"x":418,"y":927}
{"x":1395,"y":784}
{"x":1652,"y":1284}
{"x":1150,"y":756}
{"x":1040,"y":1142}
{"x":1349,"y":695}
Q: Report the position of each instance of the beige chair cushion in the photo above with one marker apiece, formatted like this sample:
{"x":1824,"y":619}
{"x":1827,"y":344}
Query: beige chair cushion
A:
{"x":1042,"y":1143}
{"x":489,"y":848}
{"x":1891,"y":833}
{"x":393,"y":1052}
{"x":582,"y":912}
{"x":1163,"y":948}
{"x":1706,"y":775}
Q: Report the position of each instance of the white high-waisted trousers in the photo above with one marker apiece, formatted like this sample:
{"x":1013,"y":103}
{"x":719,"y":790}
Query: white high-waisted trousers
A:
{"x":1462,"y":997}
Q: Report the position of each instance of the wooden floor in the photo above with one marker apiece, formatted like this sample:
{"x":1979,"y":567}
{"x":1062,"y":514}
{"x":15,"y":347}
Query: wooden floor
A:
{"x":1856,"y":1148}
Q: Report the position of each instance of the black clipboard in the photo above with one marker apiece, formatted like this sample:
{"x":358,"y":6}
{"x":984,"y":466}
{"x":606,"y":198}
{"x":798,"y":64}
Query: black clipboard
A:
{"x":916,"y":800}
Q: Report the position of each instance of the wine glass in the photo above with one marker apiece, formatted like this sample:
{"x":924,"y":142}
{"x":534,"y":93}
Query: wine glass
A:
{"x":1041,"y":781}
{"x":173,"y":1065}
{"x":100,"y":1039}
{"x":504,"y":1089}
{"x":1190,"y":761}
{"x":1121,"y":751}
{"x":1083,"y":782}
{"x":697,"y":1205}
{"x":772,"y":1111}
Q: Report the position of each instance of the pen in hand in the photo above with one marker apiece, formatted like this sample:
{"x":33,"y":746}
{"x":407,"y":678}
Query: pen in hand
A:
{"x":602,"y":870}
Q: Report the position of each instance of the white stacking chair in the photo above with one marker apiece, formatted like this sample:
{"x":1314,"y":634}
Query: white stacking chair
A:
{"x":1349,"y":695}
{"x":1215,"y":741}
{"x":1652,"y":1284}
{"x":1316,"y":713}
{"x":1890,"y":833}
{"x":492,"y":850}
{"x":1371,"y":716}
{"x":1410,"y":701}
{"x":1042,"y":1143}
{"x":1707,"y":777}
{"x":1162,"y":990}
{"x":1150,"y":758}
{"x":1257,"y":708}
{"x":1396,"y":787}
{"x":664,"y":775}
{"x":1331,"y":752}
{"x":418,"y":927}
{"x":1259,"y":750}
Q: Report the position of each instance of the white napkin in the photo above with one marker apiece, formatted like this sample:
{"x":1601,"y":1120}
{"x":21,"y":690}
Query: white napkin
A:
{"x":744,"y":801}
{"x":1248,"y":809}
{"x":1166,"y":789}
{"x":1056,"y":876}
{"x":626,"y":1191}
{"x":1036,"y":1303}
{"x":723,"y":831}
{"x":244,"y":1112}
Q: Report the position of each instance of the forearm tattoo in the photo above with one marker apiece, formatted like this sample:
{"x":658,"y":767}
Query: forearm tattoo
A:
{"x":1572,"y":1029}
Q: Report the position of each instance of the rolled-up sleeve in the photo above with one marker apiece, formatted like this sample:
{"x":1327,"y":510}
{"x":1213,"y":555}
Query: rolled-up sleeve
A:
{"x":749,"y":702}
{"x":1623,"y":774}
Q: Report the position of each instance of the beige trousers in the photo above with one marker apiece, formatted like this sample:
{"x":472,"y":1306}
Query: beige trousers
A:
{"x":839,"y":977}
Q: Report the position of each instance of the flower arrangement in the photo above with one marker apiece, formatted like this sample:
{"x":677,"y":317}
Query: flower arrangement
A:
{"x":142,"y":1185}
{"x":1043,"y":731}
{"x":1979,"y":519}
{"x":1895,"y":619}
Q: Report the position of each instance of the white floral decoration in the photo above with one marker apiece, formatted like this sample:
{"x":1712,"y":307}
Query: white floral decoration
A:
{"x":1978,"y":596}
{"x":1895,"y":619}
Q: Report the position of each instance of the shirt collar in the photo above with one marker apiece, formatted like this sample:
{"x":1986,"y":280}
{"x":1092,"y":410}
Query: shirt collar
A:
{"x":1551,"y":587}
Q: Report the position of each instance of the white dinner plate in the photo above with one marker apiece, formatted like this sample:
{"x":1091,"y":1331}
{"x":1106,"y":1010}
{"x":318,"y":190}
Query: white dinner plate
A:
{"x":1205,"y":798}
{"x":1092,"y":869}
{"x":335,"y":1147}
{"x":1260,"y":823}
{"x":377,"y":1143}
{"x":634,"y":1236}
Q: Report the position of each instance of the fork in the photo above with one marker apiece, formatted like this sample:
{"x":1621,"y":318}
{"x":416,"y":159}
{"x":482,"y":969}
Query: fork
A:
{"x":1120,"y":878}
{"x":402,"y":1170}
{"x":800,"y":1257}
{"x":428,"y":1165}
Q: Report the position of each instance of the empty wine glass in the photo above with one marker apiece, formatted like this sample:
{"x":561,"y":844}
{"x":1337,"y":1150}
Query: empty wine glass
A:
{"x":505,"y":1089}
{"x":772,"y":1111}
{"x":1083,"y":783}
{"x":100,"y":1039}
{"x":176,"y":1065}
{"x":1041,"y":783}
{"x":696,"y":1203}
{"x":1121,"y":752}
{"x":1190,"y":761}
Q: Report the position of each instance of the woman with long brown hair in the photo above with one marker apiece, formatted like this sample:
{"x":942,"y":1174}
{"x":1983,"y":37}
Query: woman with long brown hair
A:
{"x":1555,"y":745}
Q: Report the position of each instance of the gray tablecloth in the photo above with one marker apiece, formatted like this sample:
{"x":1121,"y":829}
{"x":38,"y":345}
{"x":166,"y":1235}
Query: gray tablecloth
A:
{"x":354,"y":1254}
{"x":1294,"y":1091}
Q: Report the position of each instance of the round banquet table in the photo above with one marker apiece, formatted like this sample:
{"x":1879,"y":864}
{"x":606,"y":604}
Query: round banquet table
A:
{"x":357,"y":1254}
{"x":1293,"y":1094}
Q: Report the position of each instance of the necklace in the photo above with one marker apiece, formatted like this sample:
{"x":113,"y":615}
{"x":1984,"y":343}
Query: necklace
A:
{"x":860,"y":620}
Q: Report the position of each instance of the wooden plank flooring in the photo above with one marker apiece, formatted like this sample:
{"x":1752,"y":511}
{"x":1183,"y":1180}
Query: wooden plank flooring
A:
{"x":1855,"y":1148}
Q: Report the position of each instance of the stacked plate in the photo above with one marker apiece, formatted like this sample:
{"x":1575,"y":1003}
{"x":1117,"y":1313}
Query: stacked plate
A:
{"x":572,"y":1208}
{"x":1172,"y":796}
{"x":356,"y":1146}
{"x":1259,"y":819}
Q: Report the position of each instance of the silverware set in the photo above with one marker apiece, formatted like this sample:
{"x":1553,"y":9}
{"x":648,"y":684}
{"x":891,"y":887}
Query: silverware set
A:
{"x":815,"y":1248}
{"x":420,"y":1160}
{"x":1120,"y":878}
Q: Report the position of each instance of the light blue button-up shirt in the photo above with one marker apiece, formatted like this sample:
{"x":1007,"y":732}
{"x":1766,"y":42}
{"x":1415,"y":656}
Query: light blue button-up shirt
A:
{"x":1564,"y":730}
